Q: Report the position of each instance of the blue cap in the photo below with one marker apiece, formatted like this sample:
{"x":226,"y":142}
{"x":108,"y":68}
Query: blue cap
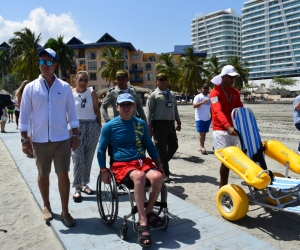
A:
{"x":50,"y":52}
{"x":125,"y":98}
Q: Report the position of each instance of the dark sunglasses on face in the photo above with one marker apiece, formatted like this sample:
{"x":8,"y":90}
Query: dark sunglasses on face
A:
{"x":206,"y":87}
{"x":231,"y":77}
{"x":163,"y":79}
{"x":127,"y":105}
{"x":47,"y":62}
{"x":83,"y":80}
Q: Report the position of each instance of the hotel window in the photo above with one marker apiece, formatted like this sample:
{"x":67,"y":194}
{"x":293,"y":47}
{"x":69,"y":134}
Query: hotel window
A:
{"x":136,"y":66}
{"x":135,"y":56}
{"x":105,"y":86}
{"x":149,"y":87}
{"x":91,"y":55}
{"x":102,"y":63}
{"x":93,"y":77}
{"x":95,"y":87}
{"x":148,"y":66}
{"x":92,"y":65}
{"x":149,"y":76}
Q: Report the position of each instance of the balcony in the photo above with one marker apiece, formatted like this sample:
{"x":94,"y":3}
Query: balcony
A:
{"x":80,"y":56}
{"x":149,"y":59}
{"x":136,"y":80}
{"x":136,"y":70}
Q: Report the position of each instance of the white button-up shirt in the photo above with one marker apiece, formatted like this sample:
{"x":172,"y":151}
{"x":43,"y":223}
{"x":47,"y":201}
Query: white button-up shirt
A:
{"x":46,"y":110}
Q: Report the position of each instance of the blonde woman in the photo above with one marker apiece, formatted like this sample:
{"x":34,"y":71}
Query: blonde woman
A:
{"x":17,"y":100}
{"x":88,"y":114}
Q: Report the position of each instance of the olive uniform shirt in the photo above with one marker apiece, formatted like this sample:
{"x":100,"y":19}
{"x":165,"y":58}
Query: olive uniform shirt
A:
{"x":157,"y":108}
{"x":111,"y":99}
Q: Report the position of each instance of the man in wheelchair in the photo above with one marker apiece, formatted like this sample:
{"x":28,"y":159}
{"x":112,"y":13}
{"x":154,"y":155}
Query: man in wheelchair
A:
{"x":129,"y":138}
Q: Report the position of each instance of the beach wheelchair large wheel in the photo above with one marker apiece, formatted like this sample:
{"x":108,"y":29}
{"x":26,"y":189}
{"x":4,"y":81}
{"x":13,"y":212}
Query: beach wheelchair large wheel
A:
{"x":161,"y":200}
{"x":272,"y":201}
{"x":107,"y":199}
{"x":232,"y":202}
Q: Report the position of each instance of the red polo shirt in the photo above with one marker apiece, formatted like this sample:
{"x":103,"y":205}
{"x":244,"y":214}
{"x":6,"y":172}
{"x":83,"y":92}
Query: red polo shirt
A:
{"x":221,"y":106}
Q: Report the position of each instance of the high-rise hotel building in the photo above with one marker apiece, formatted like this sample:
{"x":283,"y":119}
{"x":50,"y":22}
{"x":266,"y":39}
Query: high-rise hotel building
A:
{"x":271,"y":38}
{"x":217,"y":33}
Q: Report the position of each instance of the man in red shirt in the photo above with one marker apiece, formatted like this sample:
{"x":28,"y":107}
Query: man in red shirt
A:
{"x":224,"y":98}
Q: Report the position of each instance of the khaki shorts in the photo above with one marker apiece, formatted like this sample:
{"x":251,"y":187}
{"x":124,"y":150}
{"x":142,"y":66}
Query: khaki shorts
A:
{"x":59,"y":152}
{"x":221,"y":139}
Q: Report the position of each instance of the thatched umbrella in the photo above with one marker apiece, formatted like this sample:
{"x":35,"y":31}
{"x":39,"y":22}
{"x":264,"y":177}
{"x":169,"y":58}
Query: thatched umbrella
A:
{"x":4,"y":92}
{"x":253,"y":85}
{"x":262,"y":90}
{"x":245,"y":92}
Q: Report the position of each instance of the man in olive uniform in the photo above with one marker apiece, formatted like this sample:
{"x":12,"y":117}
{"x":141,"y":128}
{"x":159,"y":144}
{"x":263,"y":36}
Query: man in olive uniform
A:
{"x":162,"y":113}
{"x":111,"y":99}
{"x":113,"y":93}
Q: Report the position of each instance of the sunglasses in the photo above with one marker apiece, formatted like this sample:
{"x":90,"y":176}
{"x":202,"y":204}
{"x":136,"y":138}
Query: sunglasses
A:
{"x":231,"y":77}
{"x":83,"y":80}
{"x":206,"y":87}
{"x":83,"y":102}
{"x":127,"y":105}
{"x":163,"y":79}
{"x":46,"y":62}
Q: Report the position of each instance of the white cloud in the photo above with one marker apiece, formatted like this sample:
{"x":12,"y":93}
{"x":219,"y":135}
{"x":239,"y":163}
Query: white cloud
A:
{"x":49,"y":25}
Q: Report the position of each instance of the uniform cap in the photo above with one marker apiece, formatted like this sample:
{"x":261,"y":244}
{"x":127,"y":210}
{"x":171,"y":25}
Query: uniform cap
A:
{"x":121,"y":73}
{"x":50,"y":52}
{"x":227,"y":70}
{"x":125,"y":98}
{"x":160,"y":75}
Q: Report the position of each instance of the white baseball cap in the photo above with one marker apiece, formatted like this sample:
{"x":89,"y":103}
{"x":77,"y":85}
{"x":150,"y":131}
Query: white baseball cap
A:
{"x":227,"y":70}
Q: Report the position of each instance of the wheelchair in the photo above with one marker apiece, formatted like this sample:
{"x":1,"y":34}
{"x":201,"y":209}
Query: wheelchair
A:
{"x":108,"y":206}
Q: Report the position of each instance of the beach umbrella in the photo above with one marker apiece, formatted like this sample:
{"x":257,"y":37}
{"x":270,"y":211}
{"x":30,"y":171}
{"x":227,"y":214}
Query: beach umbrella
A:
{"x":262,"y":90}
{"x":4,"y":92}
{"x":253,"y":85}
{"x":245,"y":92}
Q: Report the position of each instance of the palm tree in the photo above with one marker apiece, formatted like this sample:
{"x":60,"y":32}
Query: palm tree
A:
{"x":242,"y":69}
{"x":24,"y":54}
{"x":170,"y":67}
{"x":4,"y":62}
{"x":192,"y":68}
{"x":114,"y":60}
{"x":64,"y":53}
{"x":213,"y":68}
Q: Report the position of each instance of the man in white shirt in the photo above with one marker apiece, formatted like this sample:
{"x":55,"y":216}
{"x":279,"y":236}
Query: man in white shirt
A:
{"x":46,"y":102}
{"x":201,"y":104}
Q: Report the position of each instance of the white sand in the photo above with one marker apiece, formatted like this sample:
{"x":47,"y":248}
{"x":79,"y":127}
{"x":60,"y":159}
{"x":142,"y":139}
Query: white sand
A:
{"x":195,"y":179}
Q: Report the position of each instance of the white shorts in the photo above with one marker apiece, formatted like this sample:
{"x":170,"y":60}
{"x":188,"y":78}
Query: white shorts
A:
{"x":222,"y":139}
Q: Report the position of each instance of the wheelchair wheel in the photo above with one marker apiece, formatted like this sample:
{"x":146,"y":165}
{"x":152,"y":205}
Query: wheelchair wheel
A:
{"x":232,"y":202}
{"x":107,"y":199}
{"x":161,"y":198}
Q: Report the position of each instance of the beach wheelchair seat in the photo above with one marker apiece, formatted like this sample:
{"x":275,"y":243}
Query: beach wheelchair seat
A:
{"x":108,"y":202}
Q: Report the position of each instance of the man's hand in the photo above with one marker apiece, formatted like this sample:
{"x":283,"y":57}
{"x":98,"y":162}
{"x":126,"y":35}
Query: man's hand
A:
{"x":178,"y":127}
{"x":150,"y":130}
{"x":231,"y":131}
{"x":105,"y":177}
{"x":74,"y":143}
{"x":160,"y":168}
{"x":27,"y":148}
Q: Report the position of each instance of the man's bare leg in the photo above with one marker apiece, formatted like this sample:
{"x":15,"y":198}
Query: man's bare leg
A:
{"x":44,"y":183}
{"x":224,"y":173}
{"x":202,"y":136}
{"x":64,"y":190}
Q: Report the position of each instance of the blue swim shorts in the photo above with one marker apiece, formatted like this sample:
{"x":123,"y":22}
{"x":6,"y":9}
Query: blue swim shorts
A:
{"x":203,"y":126}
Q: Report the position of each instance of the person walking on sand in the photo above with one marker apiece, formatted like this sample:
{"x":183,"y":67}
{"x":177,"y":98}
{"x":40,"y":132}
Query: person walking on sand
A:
{"x":48,"y":100}
{"x":162,"y":113}
{"x":224,"y":98}
{"x":201,"y":104}
{"x":88,"y":114}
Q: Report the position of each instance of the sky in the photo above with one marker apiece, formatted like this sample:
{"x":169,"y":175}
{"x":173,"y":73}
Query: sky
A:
{"x":150,"y":25}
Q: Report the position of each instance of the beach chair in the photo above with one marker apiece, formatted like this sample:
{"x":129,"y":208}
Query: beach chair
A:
{"x":266,"y":188}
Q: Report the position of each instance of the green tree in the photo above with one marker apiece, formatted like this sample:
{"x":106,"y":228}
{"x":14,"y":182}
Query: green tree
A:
{"x":4,"y":62}
{"x":169,"y":67}
{"x":192,"y":68}
{"x":24,"y":54}
{"x":242,"y":69}
{"x":10,"y":83}
{"x":64,"y":53}
{"x":213,"y":68}
{"x":283,"y":82}
{"x":114,"y":60}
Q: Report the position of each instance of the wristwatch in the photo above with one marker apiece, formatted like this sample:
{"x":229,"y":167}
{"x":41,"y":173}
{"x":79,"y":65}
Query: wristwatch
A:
{"x":24,"y":140}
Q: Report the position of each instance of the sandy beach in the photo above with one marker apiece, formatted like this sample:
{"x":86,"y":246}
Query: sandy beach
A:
{"x":195,"y":178}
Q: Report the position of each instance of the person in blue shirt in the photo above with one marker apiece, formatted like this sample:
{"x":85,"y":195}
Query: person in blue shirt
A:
{"x":296,"y":111}
{"x":129,"y":138}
